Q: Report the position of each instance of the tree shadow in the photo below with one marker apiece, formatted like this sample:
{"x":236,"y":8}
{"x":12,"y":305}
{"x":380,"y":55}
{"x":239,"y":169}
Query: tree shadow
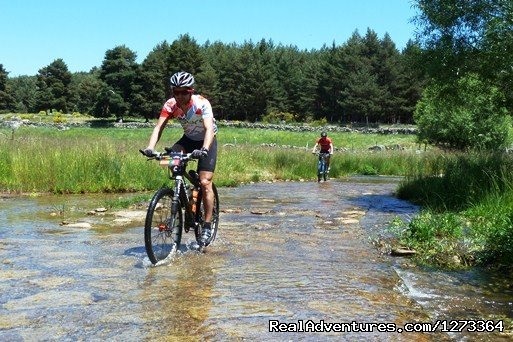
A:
{"x":385,"y":204}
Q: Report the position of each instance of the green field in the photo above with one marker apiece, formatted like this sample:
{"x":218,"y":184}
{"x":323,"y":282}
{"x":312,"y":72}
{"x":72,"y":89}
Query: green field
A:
{"x":107,"y":159}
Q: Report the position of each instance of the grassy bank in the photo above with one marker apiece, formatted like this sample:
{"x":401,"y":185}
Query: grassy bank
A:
{"x":107,"y":159}
{"x":468,"y":211}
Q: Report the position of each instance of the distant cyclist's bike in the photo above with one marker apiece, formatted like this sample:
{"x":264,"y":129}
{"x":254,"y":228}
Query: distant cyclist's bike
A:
{"x":322,"y":166}
{"x":176,"y":209}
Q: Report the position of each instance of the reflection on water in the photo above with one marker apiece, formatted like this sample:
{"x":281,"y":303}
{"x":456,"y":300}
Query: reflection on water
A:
{"x":286,"y":251}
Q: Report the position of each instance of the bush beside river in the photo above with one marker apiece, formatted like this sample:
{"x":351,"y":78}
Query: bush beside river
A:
{"x":467,"y":216}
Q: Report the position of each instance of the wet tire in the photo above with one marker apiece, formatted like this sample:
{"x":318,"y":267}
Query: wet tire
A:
{"x":319,"y":170}
{"x":201,"y":218}
{"x":162,"y":228}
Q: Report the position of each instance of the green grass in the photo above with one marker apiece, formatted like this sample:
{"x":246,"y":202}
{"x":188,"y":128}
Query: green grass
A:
{"x":468,"y":211}
{"x":124,"y":202}
{"x":350,"y":141}
{"x":107,"y":159}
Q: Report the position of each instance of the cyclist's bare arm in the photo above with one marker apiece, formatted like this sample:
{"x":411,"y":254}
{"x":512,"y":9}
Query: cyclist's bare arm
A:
{"x":157,"y":132}
{"x":315,"y":147}
{"x":331,"y":149}
{"x":208,"y":123}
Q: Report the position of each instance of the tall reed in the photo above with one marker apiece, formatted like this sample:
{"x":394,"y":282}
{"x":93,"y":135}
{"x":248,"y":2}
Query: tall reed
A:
{"x":468,"y":210}
{"x":107,"y":160}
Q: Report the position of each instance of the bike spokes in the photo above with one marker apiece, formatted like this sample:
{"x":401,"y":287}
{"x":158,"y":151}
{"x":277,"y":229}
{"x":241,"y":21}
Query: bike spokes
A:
{"x":163,"y":228}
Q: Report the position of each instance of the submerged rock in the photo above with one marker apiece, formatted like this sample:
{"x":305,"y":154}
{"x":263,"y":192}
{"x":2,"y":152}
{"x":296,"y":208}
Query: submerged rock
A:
{"x":231,"y":211}
{"x":76,"y":224}
{"x":260,"y":211}
{"x":402,"y":251}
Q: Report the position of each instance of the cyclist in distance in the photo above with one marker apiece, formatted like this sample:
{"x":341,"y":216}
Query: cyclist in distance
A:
{"x":326,"y":147}
{"x":194,"y":113}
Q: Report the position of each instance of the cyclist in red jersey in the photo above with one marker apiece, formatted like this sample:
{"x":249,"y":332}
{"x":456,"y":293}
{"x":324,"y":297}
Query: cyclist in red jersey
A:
{"x":194,"y":113}
{"x":326,"y":147}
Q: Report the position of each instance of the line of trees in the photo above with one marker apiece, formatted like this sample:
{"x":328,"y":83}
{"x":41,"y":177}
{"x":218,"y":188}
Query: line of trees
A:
{"x":365,"y":79}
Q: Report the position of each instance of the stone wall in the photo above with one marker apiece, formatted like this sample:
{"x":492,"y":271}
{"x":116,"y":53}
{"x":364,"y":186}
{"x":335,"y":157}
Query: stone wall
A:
{"x":15,"y":123}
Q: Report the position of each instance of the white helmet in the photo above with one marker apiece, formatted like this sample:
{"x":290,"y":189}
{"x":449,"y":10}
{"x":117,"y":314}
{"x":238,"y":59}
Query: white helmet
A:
{"x":182,"y":79}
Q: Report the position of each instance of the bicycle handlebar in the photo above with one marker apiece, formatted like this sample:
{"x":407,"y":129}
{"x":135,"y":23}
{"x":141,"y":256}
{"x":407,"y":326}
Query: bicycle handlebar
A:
{"x":161,"y":155}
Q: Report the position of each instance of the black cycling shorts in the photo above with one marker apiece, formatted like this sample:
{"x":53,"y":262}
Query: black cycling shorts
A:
{"x":189,"y":145}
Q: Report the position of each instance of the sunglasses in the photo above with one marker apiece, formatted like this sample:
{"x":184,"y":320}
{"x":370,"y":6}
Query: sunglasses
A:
{"x":183,"y":92}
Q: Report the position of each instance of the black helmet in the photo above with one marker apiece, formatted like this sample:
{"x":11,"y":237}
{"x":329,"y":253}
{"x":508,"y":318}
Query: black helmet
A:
{"x":182,"y":79}
{"x":324,"y":134}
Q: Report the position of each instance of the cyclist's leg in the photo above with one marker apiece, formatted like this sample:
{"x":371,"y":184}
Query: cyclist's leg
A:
{"x":326,"y":158}
{"x":207,"y":193}
{"x":206,"y":168}
{"x":181,"y":145}
{"x":178,"y":148}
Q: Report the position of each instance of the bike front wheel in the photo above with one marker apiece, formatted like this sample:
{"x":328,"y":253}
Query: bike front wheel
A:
{"x":200,"y":218}
{"x":320,"y":170}
{"x":163,"y":226}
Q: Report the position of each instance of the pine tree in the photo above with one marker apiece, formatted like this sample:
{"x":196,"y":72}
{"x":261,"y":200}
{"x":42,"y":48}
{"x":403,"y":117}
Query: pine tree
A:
{"x":153,"y":80}
{"x":118,"y":72}
{"x":84,"y":87}
{"x":24,"y":90}
{"x":7,"y":101}
{"x":53,"y":87}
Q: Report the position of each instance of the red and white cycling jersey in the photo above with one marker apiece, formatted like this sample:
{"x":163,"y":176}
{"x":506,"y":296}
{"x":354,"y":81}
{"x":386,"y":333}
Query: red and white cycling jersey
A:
{"x":191,"y":121}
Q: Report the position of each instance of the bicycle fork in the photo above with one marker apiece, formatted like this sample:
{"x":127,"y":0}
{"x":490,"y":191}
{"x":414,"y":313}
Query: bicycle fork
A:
{"x":181,"y":200}
{"x":175,"y":203}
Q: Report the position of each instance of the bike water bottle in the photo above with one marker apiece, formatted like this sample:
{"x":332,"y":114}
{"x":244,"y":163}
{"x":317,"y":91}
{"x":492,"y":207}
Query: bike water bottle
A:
{"x":194,"y":199}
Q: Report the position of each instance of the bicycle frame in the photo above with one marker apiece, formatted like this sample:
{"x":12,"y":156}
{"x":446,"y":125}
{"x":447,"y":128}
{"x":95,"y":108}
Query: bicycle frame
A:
{"x":177,"y":166}
{"x":322,"y":167}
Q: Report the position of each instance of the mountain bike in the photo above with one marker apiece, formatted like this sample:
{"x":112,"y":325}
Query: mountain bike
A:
{"x":322,"y":166}
{"x":175,"y":209}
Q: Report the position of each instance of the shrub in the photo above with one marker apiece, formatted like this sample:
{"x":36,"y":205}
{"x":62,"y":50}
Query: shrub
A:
{"x":58,"y":118}
{"x":368,"y":170}
{"x":279,"y":117}
{"x":470,"y":114}
{"x":318,"y":123}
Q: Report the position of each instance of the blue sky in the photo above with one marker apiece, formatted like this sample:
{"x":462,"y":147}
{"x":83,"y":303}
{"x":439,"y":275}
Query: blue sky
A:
{"x":33,"y":33}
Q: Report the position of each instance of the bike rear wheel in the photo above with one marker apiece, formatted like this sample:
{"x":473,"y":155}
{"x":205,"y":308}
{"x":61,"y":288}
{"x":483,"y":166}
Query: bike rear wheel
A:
{"x":200,"y":218}
{"x":163,"y":227}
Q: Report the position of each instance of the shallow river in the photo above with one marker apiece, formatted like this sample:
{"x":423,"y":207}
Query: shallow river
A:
{"x":295,"y":253}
